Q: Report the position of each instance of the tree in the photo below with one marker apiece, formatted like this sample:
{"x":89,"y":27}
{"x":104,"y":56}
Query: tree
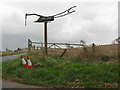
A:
{"x":82,"y":42}
{"x":116,"y":41}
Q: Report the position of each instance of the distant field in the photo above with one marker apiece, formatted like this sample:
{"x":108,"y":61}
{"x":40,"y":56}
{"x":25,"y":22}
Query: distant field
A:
{"x":98,"y":52}
{"x":5,"y":53}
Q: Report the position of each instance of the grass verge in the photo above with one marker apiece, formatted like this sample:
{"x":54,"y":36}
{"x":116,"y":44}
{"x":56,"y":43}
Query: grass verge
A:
{"x":67,"y":73}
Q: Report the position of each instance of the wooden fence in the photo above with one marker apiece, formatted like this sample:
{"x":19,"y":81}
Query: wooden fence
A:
{"x":88,"y":50}
{"x":58,"y":48}
{"x":31,"y":45}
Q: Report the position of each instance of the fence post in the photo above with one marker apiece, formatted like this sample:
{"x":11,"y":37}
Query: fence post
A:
{"x":54,"y":48}
{"x":85,"y":51}
{"x":118,"y":52}
{"x":42,"y":45}
{"x":34,"y":47}
{"x":93,"y":49}
{"x":29,"y":44}
{"x":63,"y":53}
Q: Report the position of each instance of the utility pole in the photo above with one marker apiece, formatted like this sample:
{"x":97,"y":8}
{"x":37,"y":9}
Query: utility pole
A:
{"x":46,"y":19}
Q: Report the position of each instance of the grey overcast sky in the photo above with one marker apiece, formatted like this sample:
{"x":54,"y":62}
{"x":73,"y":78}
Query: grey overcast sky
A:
{"x":93,"y":22}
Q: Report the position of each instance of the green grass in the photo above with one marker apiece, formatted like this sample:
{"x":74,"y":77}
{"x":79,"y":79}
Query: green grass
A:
{"x":56,"y":72}
{"x":12,"y":53}
{"x":0,"y":71}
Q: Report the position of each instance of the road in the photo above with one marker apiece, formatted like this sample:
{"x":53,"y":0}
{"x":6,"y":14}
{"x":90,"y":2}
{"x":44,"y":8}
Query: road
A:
{"x":8,"y":58}
{"x":11,"y":84}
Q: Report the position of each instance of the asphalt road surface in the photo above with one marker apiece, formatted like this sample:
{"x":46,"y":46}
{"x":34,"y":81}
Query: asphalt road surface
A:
{"x":11,"y":84}
{"x":8,"y":58}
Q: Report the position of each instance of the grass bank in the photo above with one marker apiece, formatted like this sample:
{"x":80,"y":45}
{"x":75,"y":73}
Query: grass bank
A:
{"x":12,"y":53}
{"x":68,"y":73}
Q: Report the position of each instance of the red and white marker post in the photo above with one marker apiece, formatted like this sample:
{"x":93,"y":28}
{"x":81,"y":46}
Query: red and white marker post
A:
{"x":23,"y":62}
{"x":29,"y":63}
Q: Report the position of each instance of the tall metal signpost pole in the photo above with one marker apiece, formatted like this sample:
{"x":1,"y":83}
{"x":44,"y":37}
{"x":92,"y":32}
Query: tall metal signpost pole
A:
{"x":46,"y":19}
{"x":45,"y":37}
